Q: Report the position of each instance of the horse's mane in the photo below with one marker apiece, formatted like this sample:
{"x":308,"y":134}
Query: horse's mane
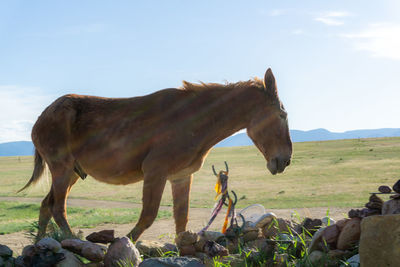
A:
{"x":188,"y":86}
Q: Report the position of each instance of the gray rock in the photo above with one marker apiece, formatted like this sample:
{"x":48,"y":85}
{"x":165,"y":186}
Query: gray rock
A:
{"x":186,"y":238}
{"x":326,"y":221}
{"x":19,"y":262}
{"x":5,"y":251}
{"x":89,"y":250}
{"x":316,"y":240}
{"x":1,"y":261}
{"x":171,"y":262}
{"x":48,"y":243}
{"x":316,"y":257}
{"x":211,"y":235}
{"x":354,"y":261}
{"x":265,"y":219}
{"x":391,"y":207}
{"x":384,"y":189}
{"x":69,"y":260}
{"x":121,"y":251}
{"x":154,"y":248}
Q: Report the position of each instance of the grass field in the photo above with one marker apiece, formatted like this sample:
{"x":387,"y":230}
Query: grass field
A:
{"x":322,"y":174}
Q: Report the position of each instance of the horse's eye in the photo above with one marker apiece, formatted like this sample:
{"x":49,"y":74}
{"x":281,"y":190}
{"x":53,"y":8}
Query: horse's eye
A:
{"x":283,"y":115}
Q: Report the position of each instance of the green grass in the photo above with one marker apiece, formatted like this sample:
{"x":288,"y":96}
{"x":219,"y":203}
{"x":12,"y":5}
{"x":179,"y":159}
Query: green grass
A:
{"x":322,"y":174}
{"x":17,"y":216}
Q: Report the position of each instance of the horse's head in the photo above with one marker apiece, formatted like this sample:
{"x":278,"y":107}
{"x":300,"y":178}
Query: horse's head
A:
{"x":269,"y":129}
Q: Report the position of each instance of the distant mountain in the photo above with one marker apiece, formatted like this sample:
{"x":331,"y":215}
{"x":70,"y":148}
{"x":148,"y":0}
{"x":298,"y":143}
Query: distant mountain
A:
{"x":21,"y":148}
{"x":25,"y":148}
{"x":315,"y":135}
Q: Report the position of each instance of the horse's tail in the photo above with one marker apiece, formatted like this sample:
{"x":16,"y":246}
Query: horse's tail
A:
{"x":37,"y":171}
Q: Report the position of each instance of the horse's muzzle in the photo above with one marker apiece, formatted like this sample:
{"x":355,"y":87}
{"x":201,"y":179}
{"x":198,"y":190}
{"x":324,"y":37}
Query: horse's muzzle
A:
{"x":278,"y":164}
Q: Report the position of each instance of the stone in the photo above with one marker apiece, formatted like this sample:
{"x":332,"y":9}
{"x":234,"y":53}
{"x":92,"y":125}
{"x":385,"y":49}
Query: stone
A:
{"x":349,"y":235}
{"x":233,"y":246}
{"x":150,"y":248}
{"x":353,"y":261}
{"x":281,"y":260}
{"x":48,"y":243}
{"x":172,"y":262}
{"x":326,"y":221}
{"x":380,"y":241}
{"x":233,"y":260}
{"x":28,"y":251}
{"x":213,"y":249}
{"x":10,"y":262}
{"x":187,"y":250}
{"x":19,"y":262}
{"x":211,"y":235}
{"x":396,"y":187}
{"x":104,"y":237}
{"x":316,"y":240}
{"x":331,"y":234}
{"x":276,"y":226}
{"x":186,"y":238}
{"x":391,"y":207}
{"x":199,"y":245}
{"x":311,"y":225}
{"x":259,"y":244}
{"x":89,"y":250}
{"x":316,"y":257}
{"x":120,"y":251}
{"x":73,"y":244}
{"x":265,"y":219}
{"x":338,"y":254}
{"x":69,"y":260}
{"x":385,"y":189}
{"x":1,"y":261}
{"x":45,"y":257}
{"x":5,"y":251}
{"x":202,"y":256}
{"x":341,"y":223}
{"x":253,"y":235}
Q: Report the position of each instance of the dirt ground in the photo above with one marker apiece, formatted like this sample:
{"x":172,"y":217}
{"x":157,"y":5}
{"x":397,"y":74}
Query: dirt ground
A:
{"x":163,"y":229}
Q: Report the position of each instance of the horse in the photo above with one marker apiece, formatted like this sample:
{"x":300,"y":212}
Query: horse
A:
{"x":162,"y":136}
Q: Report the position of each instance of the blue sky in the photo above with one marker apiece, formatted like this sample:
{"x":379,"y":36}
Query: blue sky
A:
{"x":337,"y":63}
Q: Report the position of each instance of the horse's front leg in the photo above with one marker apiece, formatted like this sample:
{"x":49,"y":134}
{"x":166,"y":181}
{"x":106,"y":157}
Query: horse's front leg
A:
{"x":153,"y":187}
{"x":180,"y":194}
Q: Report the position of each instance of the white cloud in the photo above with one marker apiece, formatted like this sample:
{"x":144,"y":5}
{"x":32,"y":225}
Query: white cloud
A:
{"x":333,"y":18}
{"x":298,"y":32}
{"x":276,"y":12}
{"x":19,"y":109}
{"x":381,"y":40}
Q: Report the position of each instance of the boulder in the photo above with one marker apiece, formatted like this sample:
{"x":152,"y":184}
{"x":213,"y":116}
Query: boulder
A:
{"x":172,"y":262}
{"x":186,"y":238}
{"x":211,"y":235}
{"x":341,"y":223}
{"x":391,"y":207}
{"x":5,"y":252}
{"x":330,"y":234}
{"x":316,"y":241}
{"x":121,"y":251}
{"x":154,"y":248}
{"x":326,"y":221}
{"x":349,"y":235}
{"x":213,"y":249}
{"x":48,"y":243}
{"x":187,"y":250}
{"x":73,"y":244}
{"x":380,"y":241}
{"x":69,"y":259}
{"x":104,"y":237}
{"x":89,"y":250}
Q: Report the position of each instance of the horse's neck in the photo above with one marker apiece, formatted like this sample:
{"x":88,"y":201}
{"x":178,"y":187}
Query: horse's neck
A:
{"x":228,"y":113}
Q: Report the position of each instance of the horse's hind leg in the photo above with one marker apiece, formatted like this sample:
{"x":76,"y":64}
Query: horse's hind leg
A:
{"x":180,"y":195}
{"x":45,"y":214}
{"x":63,"y":178}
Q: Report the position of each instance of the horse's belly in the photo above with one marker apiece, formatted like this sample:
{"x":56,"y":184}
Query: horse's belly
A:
{"x":119,"y":178}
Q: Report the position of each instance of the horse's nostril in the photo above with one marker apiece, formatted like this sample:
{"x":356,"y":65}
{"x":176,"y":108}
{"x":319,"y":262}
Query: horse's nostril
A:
{"x":288,"y":162}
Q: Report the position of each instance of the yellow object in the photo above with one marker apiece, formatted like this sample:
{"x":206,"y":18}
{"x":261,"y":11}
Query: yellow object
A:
{"x":226,"y":217}
{"x":218,"y":188}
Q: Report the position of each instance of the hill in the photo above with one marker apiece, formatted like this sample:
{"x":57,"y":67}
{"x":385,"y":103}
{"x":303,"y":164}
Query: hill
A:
{"x":25,"y":148}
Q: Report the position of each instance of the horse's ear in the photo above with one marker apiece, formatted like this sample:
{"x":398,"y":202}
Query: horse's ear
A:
{"x":270,"y":83}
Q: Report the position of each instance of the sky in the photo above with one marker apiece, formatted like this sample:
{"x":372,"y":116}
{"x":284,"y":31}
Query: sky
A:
{"x":337,"y":63}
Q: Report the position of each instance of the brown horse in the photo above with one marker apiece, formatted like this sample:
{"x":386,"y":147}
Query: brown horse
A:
{"x":162,"y":136}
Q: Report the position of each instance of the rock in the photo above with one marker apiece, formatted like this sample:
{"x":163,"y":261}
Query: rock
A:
{"x":48,"y":243}
{"x":10,"y":262}
{"x":248,"y":227}
{"x":69,"y":259}
{"x":199,"y":245}
{"x":341,"y":223}
{"x":28,"y":251}
{"x":326,"y":221}
{"x":281,"y":260}
{"x":396,"y":196}
{"x":104,"y":237}
{"x":202,"y":256}
{"x":316,"y":240}
{"x":316,"y":257}
{"x":233,"y":260}
{"x":253,"y":235}
{"x":391,"y":207}
{"x":349,"y":235}
{"x":5,"y":251}
{"x":213,"y":249}
{"x":19,"y":262}
{"x":187,"y":250}
{"x":265,"y":219}
{"x":120,"y":251}
{"x":379,"y":241}
{"x":45,"y":257}
{"x":330,"y":234}
{"x":89,"y":250}
{"x":385,"y":189}
{"x":396,"y":187}
{"x":1,"y":261}
{"x":259,"y":244}
{"x":186,"y":238}
{"x":311,"y":225}
{"x":233,"y":246}
{"x":354,"y":261}
{"x":171,"y":262}
{"x":150,"y":248}
{"x":338,"y":254}
{"x":212,"y":235}
{"x":374,"y":203}
{"x":276,"y":226}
